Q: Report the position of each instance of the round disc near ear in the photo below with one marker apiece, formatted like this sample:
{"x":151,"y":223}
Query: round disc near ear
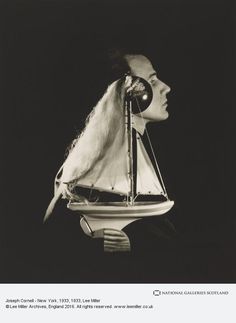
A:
{"x":140,"y":93}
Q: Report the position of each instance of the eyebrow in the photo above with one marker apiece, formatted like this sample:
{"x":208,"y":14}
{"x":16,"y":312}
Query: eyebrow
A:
{"x":152,"y":74}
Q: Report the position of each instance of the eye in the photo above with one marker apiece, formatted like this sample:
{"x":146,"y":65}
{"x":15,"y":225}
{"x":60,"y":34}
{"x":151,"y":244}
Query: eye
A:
{"x":153,"y":80}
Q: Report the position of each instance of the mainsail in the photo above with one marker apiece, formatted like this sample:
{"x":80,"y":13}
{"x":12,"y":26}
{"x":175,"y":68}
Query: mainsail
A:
{"x":110,"y":173}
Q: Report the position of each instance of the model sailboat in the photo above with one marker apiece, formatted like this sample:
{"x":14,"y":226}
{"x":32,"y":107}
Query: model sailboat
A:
{"x":128,"y":172}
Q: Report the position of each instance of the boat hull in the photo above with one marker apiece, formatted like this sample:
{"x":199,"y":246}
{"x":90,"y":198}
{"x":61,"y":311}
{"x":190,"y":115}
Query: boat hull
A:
{"x":117,"y":215}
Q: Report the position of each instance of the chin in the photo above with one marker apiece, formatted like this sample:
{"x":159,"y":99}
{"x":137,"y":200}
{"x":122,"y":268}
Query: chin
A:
{"x":155,"y":117}
{"x":163,"y":116}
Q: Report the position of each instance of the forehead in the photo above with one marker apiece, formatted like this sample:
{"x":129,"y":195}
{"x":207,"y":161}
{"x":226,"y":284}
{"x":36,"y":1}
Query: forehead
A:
{"x":140,"y":65}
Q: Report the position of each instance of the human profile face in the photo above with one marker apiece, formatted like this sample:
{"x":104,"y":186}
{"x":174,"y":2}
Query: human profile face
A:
{"x":142,"y":67}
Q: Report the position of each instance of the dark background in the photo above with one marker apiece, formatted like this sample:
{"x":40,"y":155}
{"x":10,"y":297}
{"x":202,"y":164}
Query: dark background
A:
{"x":53,"y":72}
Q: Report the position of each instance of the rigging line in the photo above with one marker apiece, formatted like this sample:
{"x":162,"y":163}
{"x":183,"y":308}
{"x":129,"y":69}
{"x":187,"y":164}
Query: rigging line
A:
{"x":136,"y":196}
{"x":152,"y":150}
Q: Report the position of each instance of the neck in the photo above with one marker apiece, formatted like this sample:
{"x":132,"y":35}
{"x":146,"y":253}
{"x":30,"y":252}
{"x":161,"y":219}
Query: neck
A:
{"x":139,"y":123}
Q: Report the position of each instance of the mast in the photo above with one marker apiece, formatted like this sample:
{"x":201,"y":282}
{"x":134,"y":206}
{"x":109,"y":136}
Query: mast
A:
{"x":128,"y":114}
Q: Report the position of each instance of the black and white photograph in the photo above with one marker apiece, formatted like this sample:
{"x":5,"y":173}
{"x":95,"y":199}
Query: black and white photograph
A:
{"x":117,"y":142}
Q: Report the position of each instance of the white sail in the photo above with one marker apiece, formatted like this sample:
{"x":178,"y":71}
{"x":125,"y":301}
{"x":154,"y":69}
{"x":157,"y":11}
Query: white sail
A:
{"x":110,"y":173}
{"x":147,"y":180}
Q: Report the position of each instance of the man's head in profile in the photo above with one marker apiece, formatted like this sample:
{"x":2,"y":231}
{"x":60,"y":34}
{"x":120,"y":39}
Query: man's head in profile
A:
{"x":140,"y":65}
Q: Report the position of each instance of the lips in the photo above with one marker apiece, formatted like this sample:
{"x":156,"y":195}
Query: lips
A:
{"x":164,"y":104}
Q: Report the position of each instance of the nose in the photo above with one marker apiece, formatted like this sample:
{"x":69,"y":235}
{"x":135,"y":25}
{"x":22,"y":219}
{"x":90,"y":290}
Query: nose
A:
{"x":165,"y":88}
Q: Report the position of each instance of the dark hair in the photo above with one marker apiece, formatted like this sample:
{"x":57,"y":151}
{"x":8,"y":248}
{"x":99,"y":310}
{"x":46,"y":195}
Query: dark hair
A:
{"x":118,"y":65}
